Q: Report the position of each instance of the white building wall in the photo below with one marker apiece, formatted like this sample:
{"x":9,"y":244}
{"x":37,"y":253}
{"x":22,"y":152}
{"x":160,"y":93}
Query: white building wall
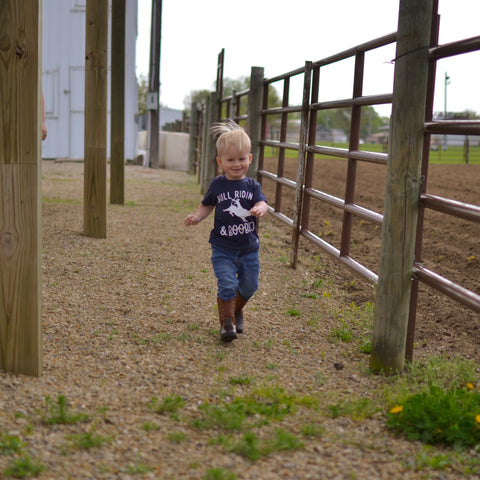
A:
{"x":64,"y":78}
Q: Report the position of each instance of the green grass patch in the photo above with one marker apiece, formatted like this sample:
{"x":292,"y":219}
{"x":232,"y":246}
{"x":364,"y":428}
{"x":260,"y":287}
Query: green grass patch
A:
{"x":24,"y":467}
{"x":453,"y":154}
{"x":168,"y":404}
{"x":58,"y":413}
{"x":10,"y":444}
{"x":259,"y":407}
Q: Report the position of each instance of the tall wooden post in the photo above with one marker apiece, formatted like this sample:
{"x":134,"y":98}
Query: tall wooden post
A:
{"x":254,"y":120}
{"x":209,"y":161}
{"x":95,"y":175}
{"x":117,"y":116}
{"x":403,"y":187}
{"x":192,"y":139}
{"x":153,"y":105}
{"x":20,"y":193}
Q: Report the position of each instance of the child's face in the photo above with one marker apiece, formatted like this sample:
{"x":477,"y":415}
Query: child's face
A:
{"x":234,"y":163}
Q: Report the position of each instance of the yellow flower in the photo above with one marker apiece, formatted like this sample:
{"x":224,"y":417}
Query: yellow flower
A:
{"x":477,"y":418}
{"x":470,"y":386}
{"x":399,"y":408}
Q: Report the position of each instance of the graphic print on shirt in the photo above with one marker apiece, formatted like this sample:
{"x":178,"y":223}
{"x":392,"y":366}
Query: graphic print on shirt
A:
{"x":236,"y":210}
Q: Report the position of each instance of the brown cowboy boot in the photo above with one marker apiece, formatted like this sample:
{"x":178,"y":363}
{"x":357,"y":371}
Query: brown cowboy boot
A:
{"x":239,"y":304}
{"x":226,"y":314}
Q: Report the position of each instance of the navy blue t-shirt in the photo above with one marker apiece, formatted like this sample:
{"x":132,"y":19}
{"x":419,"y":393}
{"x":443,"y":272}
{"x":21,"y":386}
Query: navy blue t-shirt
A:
{"x":234,"y":228}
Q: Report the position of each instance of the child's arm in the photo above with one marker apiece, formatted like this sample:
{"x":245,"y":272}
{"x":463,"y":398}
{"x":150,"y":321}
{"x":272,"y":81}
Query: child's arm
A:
{"x":259,"y":209}
{"x":203,"y":211}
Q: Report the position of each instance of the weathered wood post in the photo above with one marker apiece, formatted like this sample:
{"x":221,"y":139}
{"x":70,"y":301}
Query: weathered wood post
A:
{"x":254,"y":119}
{"x":95,"y":174}
{"x":117,"y":114}
{"x":209,"y":160}
{"x":192,"y":139}
{"x":403,"y":187}
{"x":20,"y":187}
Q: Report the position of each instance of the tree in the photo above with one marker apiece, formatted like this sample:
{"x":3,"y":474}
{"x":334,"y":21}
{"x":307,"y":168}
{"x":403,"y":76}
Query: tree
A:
{"x":195,"y":96}
{"x":142,"y":94}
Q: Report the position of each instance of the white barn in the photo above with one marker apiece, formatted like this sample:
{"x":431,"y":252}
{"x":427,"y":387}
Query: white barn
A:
{"x":63,"y":76}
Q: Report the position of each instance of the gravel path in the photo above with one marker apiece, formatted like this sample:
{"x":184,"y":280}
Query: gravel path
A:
{"x":131,"y":341}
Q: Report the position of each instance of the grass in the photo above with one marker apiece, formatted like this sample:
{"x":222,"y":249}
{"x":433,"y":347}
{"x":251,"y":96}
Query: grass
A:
{"x":453,"y":155}
{"x":268,"y":419}
{"x":58,"y":413}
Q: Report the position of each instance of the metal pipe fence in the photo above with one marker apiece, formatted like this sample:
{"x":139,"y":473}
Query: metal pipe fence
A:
{"x":296,"y":199}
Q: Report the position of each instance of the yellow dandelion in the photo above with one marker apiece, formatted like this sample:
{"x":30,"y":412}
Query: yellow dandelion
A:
{"x":477,"y":418}
{"x":470,"y":386}
{"x":398,"y":409}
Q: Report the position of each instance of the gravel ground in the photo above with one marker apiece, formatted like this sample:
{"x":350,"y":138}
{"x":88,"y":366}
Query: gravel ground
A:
{"x":131,"y":342}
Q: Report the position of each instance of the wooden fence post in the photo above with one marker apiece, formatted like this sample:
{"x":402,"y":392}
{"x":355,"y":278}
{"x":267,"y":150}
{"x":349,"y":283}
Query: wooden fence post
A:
{"x":20,"y":187}
{"x":192,"y":139}
{"x":403,"y":187}
{"x":117,"y":116}
{"x":254,"y":119}
{"x":209,"y":159}
{"x":95,"y":181}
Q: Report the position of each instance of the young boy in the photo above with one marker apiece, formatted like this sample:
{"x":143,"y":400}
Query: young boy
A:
{"x":237,"y":200}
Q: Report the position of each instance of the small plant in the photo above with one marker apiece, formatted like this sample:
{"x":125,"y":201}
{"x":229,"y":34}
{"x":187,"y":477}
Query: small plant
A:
{"x":449,"y":417}
{"x":219,"y":474}
{"x":58,"y":413}
{"x":357,"y":409}
{"x":293,"y":312}
{"x":24,"y":467}
{"x":176,"y":437}
{"x":284,"y":440}
{"x":150,"y":426}
{"x":342,"y":334}
{"x":439,"y":461}
{"x":87,"y":440}
{"x":312,"y":430}
{"x":138,"y":468}
{"x":10,"y":444}
{"x":248,"y":447}
{"x":241,"y":380}
{"x":167,"y":405}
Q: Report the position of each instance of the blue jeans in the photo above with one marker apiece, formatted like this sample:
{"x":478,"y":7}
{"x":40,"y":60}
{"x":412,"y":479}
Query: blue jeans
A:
{"x":235,"y":272}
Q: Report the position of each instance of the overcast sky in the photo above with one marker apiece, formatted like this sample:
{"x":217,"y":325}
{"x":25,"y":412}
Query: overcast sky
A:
{"x":264,"y":33}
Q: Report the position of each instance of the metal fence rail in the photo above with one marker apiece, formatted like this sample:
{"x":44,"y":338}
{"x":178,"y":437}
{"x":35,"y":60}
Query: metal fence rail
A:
{"x":297,"y":214}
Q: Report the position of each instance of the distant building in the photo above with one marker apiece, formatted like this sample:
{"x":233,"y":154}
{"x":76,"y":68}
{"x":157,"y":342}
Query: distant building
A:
{"x":330,"y":135}
{"x":167,"y":115}
{"x":63,"y":76}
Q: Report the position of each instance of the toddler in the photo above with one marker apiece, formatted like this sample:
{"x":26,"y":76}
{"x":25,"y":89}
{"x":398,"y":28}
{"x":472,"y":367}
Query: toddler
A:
{"x":237,"y":201}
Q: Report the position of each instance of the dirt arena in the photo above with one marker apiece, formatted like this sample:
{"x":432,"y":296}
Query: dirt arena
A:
{"x":451,"y":246}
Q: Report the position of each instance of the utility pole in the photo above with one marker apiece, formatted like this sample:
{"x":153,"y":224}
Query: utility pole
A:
{"x":154,"y":87}
{"x":447,"y":82}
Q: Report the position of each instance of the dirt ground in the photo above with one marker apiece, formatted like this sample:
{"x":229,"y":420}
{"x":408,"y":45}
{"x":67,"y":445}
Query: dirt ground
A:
{"x":451,"y":246}
{"x":131,"y":319}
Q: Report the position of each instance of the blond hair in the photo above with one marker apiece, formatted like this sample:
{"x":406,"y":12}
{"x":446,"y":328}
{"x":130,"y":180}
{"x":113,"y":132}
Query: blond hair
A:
{"x":230,"y":133}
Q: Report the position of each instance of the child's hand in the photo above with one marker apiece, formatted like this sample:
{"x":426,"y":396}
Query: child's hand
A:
{"x":191,"y":219}
{"x":259,"y":209}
